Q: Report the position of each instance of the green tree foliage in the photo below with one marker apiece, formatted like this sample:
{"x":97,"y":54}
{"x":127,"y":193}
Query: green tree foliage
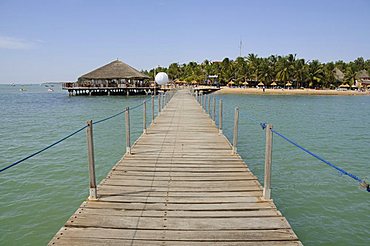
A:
{"x":282,"y":69}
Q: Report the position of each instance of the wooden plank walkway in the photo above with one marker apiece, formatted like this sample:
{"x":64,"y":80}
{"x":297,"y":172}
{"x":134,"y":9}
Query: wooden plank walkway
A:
{"x":181,"y":186}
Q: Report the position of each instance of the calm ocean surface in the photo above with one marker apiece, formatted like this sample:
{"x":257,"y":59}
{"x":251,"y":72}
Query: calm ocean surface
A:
{"x":323,"y":207}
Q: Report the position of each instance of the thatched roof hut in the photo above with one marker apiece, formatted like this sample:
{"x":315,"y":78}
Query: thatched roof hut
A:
{"x":362,"y":74}
{"x":114,"y":70}
{"x":363,"y":79}
{"x":338,"y":75}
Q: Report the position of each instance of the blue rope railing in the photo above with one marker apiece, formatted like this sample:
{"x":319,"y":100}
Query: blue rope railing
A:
{"x":362,"y":182}
{"x":42,"y":150}
{"x":68,"y":136}
{"x":342,"y":171}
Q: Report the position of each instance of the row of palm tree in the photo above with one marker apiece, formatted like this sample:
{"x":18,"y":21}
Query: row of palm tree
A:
{"x":278,"y":69}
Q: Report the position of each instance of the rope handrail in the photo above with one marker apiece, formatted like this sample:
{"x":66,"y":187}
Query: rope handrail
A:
{"x":42,"y":150}
{"x":66,"y":137}
{"x":362,"y":182}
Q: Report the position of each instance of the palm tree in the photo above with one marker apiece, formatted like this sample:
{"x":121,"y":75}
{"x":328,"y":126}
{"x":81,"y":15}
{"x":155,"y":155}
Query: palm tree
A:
{"x":285,"y":68}
{"x":299,"y":72}
{"x":252,"y":66}
{"x":240,"y":67}
{"x":264,"y":71}
{"x":350,"y":75}
{"x":315,"y":73}
{"x":174,"y":70}
{"x":226,"y":70}
{"x":328,"y":71}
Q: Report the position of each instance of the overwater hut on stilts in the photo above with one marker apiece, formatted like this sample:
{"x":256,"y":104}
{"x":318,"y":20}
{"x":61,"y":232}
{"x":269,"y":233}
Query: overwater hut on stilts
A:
{"x":115,"y":78}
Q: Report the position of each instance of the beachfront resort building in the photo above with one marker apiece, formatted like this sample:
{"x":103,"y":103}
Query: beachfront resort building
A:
{"x":115,"y":78}
{"x":363,"y":80}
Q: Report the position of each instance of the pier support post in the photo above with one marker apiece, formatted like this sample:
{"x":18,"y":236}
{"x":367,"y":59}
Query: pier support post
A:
{"x":144,"y":117}
{"x":127,"y":121}
{"x":205,"y":103}
{"x":220,"y":118}
{"x":153,"y":116}
{"x":209,"y":105}
{"x":163,"y":101}
{"x":236,"y":124}
{"x":214,"y":109}
{"x":90,"y":151}
{"x":268,"y":161}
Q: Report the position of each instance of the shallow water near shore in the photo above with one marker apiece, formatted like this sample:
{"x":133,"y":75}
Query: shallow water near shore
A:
{"x":323,"y":207}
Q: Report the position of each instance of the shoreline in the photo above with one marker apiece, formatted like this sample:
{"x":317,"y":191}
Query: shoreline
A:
{"x":259,"y":91}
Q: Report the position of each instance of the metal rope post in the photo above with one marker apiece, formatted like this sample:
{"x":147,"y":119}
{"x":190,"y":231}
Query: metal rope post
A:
{"x":90,"y":151}
{"x":236,"y":123}
{"x":128,"y":142}
{"x":144,"y":117}
{"x":153,"y":116}
{"x":164,"y":101}
{"x":220,"y":118}
{"x":209,"y":105}
{"x":205,"y":103}
{"x":214,"y":109}
{"x":159,"y":104}
{"x":268,"y":160}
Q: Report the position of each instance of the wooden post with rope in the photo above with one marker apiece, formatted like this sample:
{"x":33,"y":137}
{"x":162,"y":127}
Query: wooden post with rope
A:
{"x":90,"y":151}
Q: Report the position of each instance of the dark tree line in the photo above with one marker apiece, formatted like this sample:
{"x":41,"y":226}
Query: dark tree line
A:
{"x":278,"y":69}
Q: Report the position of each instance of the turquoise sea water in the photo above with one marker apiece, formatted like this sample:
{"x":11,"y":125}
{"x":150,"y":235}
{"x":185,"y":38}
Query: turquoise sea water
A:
{"x":323,"y":207}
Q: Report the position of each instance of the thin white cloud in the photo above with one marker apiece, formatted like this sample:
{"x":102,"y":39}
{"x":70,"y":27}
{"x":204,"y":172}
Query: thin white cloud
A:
{"x":15,"y":43}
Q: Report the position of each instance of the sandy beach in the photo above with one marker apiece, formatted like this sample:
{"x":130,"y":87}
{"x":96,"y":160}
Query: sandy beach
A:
{"x":259,"y":91}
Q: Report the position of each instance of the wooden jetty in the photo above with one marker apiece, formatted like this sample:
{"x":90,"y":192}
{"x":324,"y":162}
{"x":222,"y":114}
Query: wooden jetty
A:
{"x":181,"y":185}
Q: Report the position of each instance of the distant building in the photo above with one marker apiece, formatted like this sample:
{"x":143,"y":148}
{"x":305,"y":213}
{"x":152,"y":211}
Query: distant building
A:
{"x":114,"y":74}
{"x":113,"y":78}
{"x":363,"y":80}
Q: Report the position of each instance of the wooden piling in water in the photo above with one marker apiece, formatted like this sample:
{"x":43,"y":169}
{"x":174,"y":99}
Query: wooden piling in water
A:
{"x":153,"y":116}
{"x":268,"y":161}
{"x":144,"y":117}
{"x":235,"y":135}
{"x":128,"y":140}
{"x":220,"y":118}
{"x":91,"y":158}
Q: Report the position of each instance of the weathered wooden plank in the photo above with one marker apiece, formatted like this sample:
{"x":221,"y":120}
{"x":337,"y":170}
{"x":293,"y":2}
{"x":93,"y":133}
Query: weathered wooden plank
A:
{"x":180,"y":169}
{"x":179,"y":213}
{"x":119,"y":242}
{"x":178,"y":235}
{"x":181,"y":174}
{"x":182,"y":200}
{"x":170,"y":223}
{"x":196,"y":184}
{"x":129,"y":176}
{"x":155,"y":193}
{"x":184,"y":207}
{"x":121,"y":189}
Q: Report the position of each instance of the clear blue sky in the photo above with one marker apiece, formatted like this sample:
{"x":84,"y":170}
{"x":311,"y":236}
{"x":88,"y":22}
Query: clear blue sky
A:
{"x":61,"y":40}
